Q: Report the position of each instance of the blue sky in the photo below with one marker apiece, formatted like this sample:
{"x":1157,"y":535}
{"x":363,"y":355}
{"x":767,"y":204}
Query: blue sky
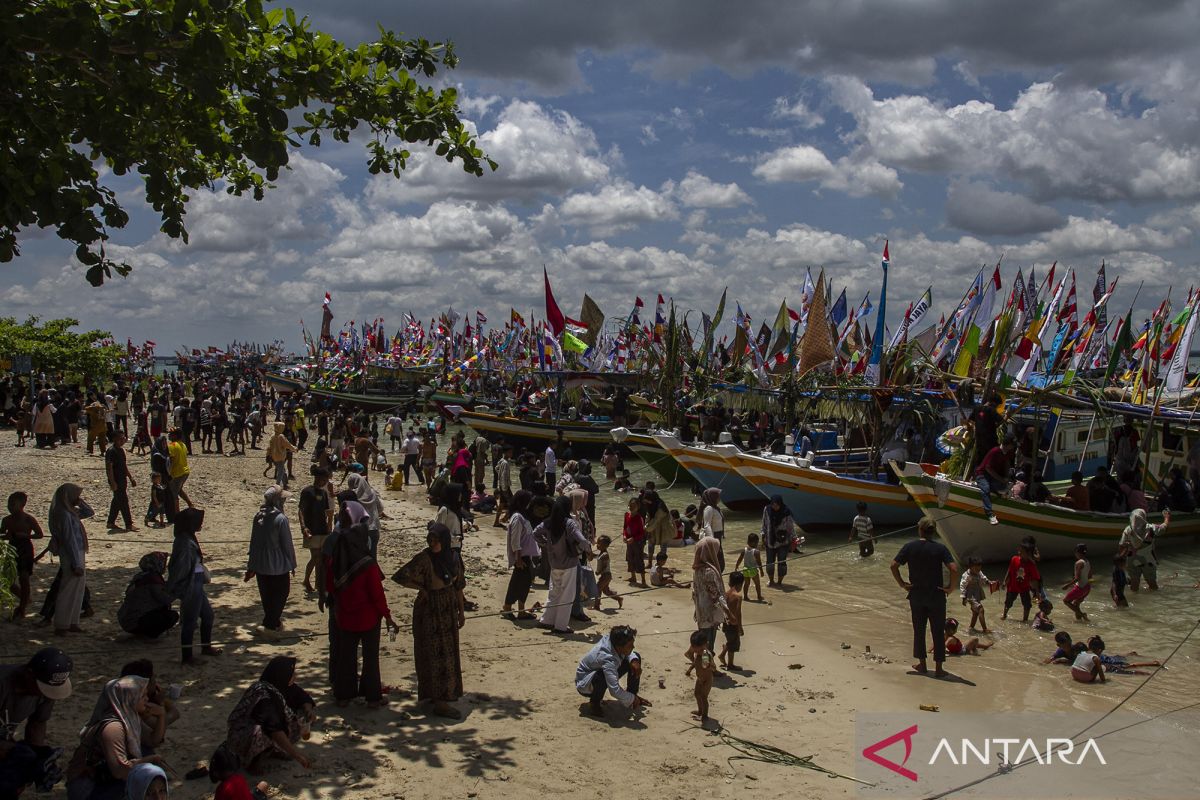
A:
{"x":681,"y":147}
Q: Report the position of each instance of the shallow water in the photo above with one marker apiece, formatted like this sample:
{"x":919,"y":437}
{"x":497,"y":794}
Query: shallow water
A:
{"x":1153,"y":625}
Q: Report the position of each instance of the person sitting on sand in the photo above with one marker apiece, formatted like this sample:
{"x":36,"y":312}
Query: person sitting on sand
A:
{"x":957,"y":647}
{"x":111,"y":742}
{"x":601,"y":670}
{"x":271,"y":716}
{"x":146,"y":609}
{"x":662,"y":575}
{"x":160,"y":710}
{"x":224,"y":770}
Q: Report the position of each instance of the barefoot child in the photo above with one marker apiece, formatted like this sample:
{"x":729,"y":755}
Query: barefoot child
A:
{"x":662,"y":575}
{"x":1065,"y":652}
{"x":1087,"y":667}
{"x":603,"y":570}
{"x":955,"y":646}
{"x":1120,"y":579}
{"x":701,"y":661}
{"x":972,"y":588}
{"x":862,"y":529}
{"x":1022,"y":574}
{"x":732,"y":628}
{"x":1080,"y":584}
{"x":1041,"y":620}
{"x":634,"y":534}
{"x":20,"y":529}
{"x":1118,"y":663}
{"x":156,"y":512}
{"x":750,"y":565}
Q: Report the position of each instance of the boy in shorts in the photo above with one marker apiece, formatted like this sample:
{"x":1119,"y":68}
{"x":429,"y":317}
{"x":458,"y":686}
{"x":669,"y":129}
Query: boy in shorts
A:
{"x":732,"y":627}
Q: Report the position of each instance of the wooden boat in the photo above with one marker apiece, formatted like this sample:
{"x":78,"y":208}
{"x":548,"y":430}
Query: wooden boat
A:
{"x":643,"y":445}
{"x":285,"y":384}
{"x":587,"y":438}
{"x":710,"y":470}
{"x":374,"y":403}
{"x":957,"y":509}
{"x":818,"y":497}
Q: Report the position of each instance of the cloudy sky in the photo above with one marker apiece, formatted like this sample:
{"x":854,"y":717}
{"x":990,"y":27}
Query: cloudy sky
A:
{"x":680,"y":147}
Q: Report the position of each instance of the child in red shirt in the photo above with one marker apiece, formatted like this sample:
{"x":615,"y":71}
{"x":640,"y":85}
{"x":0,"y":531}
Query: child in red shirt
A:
{"x":1022,"y":576}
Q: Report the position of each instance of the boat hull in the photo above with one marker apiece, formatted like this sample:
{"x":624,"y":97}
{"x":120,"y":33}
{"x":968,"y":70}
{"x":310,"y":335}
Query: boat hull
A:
{"x":657,"y":459}
{"x":964,"y":527}
{"x":373,"y":403}
{"x":819,"y":498}
{"x":284,"y":383}
{"x":585,"y":440}
{"x":710,"y":470}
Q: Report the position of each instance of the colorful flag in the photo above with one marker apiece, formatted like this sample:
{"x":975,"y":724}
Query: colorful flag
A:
{"x":554,"y":317}
{"x":872,"y":373}
{"x":838,"y":313}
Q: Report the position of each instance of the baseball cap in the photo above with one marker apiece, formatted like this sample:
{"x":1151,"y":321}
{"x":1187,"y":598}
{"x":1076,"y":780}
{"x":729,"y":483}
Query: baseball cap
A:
{"x":276,"y":492}
{"x":51,"y":669}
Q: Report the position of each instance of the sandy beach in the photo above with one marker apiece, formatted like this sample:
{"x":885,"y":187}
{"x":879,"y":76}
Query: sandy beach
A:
{"x":807,"y":671}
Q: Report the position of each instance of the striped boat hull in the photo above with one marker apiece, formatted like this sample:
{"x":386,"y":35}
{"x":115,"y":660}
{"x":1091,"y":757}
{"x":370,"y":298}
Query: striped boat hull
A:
{"x":284,"y":383}
{"x":710,"y":470}
{"x":372,"y":403}
{"x":586,"y":440}
{"x":964,"y":527}
{"x":658,"y":459}
{"x":820,"y":498}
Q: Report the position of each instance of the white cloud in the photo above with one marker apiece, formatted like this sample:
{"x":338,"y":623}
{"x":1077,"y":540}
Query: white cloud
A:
{"x":699,"y":191}
{"x":445,"y":226}
{"x":1060,"y":140}
{"x":797,"y":110}
{"x":618,"y":206}
{"x":541,"y":151}
{"x":805,"y":163}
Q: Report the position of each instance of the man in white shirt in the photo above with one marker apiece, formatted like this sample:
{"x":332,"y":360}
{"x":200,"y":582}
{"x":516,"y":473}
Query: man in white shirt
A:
{"x":412,"y":453}
{"x":551,"y":466}
{"x":396,"y":428}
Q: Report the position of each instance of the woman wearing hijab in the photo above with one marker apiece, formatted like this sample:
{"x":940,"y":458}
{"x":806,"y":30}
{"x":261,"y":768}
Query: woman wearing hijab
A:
{"x":777,"y":531}
{"x":147,"y":782}
{"x":43,"y":421}
{"x":1137,"y":545}
{"x":563,"y":543}
{"x":186,"y":578}
{"x":146,"y":610}
{"x":370,"y":500}
{"x":712,"y":519}
{"x":522,"y":550}
{"x":110,"y":743}
{"x":272,"y":558}
{"x":438,"y":613}
{"x":68,"y":540}
{"x":586,"y":579}
{"x":659,"y":528}
{"x":708,"y":590}
{"x":273,"y":714}
{"x":355,"y":581}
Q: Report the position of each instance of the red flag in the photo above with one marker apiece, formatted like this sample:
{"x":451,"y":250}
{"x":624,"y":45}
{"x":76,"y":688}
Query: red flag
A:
{"x":553,"y":315}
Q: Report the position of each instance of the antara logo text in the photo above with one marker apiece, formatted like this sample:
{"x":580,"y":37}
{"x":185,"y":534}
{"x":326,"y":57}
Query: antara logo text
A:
{"x":969,"y":751}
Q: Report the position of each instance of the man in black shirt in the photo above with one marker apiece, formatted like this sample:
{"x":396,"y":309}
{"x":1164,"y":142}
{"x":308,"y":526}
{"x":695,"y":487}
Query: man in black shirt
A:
{"x":119,"y":480}
{"x":27,"y":695}
{"x":1102,"y":491}
{"x":926,"y":593}
{"x":985,"y":422}
{"x":316,"y":523}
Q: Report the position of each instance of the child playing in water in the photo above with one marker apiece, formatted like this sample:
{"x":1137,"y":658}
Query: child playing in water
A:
{"x":662,"y":575}
{"x":955,"y":646}
{"x":732,"y":627}
{"x":634,"y":534}
{"x":1119,"y":581}
{"x":1080,"y":584}
{"x":1041,"y":620}
{"x":1021,"y":576}
{"x":748,"y":563}
{"x":1065,"y":652}
{"x":700,"y":660}
{"x":1087,"y":667}
{"x":863,"y":529}
{"x":603,"y":570}
{"x":972,"y":587}
{"x":1118,"y":663}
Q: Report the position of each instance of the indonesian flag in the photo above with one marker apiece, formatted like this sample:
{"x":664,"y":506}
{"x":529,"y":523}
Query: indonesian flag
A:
{"x":576,"y":327}
{"x":1070,"y":310}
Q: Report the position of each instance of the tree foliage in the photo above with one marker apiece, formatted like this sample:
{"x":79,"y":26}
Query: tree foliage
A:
{"x":190,"y":94}
{"x":55,"y":348}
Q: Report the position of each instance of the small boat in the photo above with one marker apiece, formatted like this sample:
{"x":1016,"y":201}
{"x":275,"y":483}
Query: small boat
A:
{"x":957,"y":508}
{"x":374,"y":403}
{"x":284,"y":383}
{"x":588,"y":438}
{"x":818,"y":497}
{"x":710,"y":470}
{"x":643,"y":445}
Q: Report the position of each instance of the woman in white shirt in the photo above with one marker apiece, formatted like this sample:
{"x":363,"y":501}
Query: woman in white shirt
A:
{"x":522,"y":549}
{"x":712,"y":520}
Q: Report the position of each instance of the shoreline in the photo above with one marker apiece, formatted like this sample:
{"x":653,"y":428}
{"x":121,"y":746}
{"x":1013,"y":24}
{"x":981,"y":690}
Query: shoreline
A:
{"x":523,"y":730}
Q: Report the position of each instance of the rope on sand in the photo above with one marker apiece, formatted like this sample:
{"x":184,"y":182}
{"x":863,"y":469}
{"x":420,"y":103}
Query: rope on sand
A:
{"x":767,"y":754}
